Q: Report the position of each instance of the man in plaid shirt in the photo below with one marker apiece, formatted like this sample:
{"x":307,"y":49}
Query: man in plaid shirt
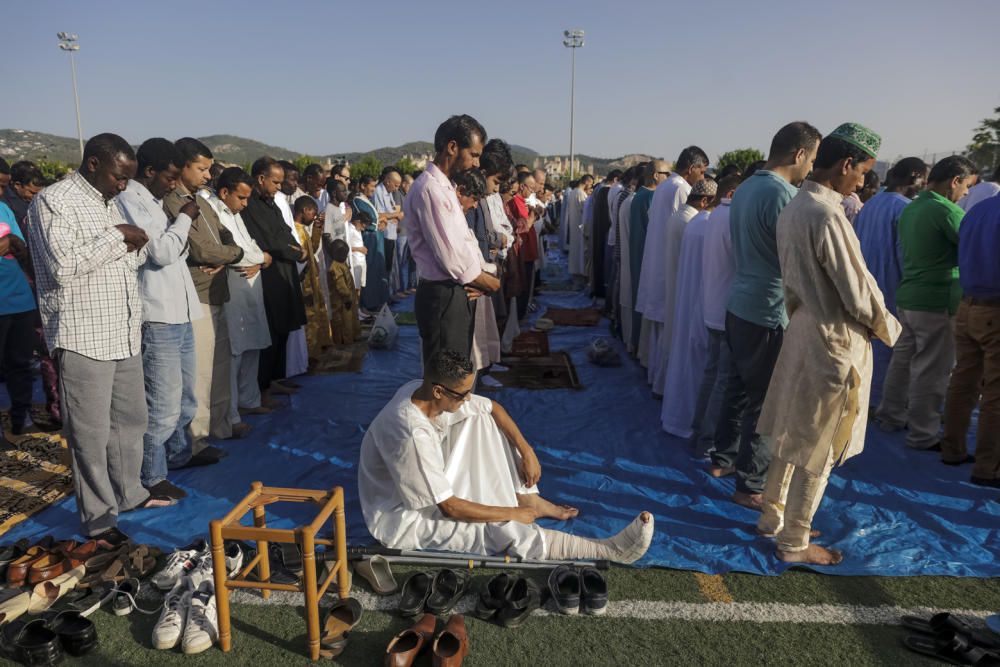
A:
{"x":86,"y":261}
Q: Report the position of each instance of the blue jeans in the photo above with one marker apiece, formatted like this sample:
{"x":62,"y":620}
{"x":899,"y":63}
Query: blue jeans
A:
{"x":406,"y":267}
{"x":168,"y":365}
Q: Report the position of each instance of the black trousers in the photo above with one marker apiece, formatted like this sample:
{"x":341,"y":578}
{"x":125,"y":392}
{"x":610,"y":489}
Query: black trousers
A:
{"x":737,"y":444}
{"x":273,"y":360}
{"x":390,"y":254}
{"x":17,"y":343}
{"x":446,"y":318}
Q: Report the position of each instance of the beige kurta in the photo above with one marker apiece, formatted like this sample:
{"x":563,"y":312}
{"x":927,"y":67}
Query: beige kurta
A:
{"x":818,"y":396}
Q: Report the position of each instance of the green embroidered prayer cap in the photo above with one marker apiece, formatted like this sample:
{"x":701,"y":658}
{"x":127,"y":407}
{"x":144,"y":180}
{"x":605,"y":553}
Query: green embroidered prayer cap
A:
{"x":859,"y":136}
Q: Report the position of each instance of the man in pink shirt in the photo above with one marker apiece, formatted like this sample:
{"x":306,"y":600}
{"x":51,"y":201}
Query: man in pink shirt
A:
{"x":451,"y":267}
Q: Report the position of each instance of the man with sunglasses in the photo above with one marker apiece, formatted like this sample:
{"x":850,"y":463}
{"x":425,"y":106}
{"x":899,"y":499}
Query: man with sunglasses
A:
{"x":444,"y":469}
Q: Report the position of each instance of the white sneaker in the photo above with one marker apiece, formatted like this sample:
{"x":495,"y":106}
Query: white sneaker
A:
{"x":168,"y":629}
{"x":202,"y":628}
{"x":234,"y":558}
{"x":202,"y":569}
{"x":178,"y":564}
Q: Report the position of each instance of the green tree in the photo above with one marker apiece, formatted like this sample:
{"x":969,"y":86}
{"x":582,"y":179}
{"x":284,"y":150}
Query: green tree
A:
{"x":741,"y":157}
{"x":53,"y":170}
{"x":984,"y":150}
{"x":406,"y":165}
{"x":366,"y":166}
{"x":303,"y":161}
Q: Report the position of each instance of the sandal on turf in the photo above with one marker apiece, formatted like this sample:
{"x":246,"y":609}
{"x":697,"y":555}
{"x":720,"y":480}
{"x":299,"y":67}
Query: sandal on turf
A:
{"x":943,"y":623}
{"x":953,"y":648}
{"x":378,"y":574}
{"x":416,"y":589}
{"x":447,"y":589}
{"x":342,"y":617}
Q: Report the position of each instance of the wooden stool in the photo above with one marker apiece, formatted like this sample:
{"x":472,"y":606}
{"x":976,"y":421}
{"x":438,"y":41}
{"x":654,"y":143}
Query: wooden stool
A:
{"x":229,"y":528}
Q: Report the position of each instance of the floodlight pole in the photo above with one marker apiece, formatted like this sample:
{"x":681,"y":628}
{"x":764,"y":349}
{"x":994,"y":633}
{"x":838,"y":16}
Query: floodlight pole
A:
{"x":68,"y":42}
{"x":572,"y":39}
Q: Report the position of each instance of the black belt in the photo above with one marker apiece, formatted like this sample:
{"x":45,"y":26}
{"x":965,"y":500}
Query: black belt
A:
{"x":976,"y":301}
{"x":443,"y":283}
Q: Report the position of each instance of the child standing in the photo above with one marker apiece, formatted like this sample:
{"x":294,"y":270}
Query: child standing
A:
{"x":343,"y":296}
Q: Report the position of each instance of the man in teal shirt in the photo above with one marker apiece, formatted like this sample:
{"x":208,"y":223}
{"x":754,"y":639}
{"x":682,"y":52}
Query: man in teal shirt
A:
{"x":926,"y":301}
{"x":755,"y":317}
{"x":17,"y":315}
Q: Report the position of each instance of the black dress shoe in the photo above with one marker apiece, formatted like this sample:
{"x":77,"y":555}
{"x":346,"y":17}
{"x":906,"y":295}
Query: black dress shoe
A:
{"x":493,"y":596}
{"x":594,"y":590}
{"x":415,"y":591}
{"x":76,"y":632}
{"x":447,"y":589}
{"x":523,"y":598}
{"x":564,"y":584}
{"x":33,"y":643}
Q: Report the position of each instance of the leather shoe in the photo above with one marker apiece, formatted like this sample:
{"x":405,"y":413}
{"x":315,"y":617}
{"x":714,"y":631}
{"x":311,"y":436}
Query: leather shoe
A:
{"x":408,"y":644}
{"x":76,"y":632}
{"x":523,"y":598}
{"x":452,"y":645}
{"x":33,"y":643}
{"x":416,"y":588}
{"x":493,"y":597}
{"x":447,"y":589}
{"x":53,"y":564}
{"x":17,"y":569}
{"x":564,"y":584}
{"x":594,"y":589}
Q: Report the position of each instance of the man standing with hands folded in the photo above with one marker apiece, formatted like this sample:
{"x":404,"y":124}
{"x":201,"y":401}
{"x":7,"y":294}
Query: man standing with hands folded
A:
{"x":87,"y":261}
{"x":451,"y":267}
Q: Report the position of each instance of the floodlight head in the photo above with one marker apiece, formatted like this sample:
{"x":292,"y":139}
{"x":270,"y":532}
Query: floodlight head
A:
{"x":67,"y":36}
{"x":69,"y":47}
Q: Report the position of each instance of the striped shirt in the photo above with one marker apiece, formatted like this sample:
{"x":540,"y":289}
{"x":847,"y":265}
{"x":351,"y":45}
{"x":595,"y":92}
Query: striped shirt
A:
{"x":87,"y":281}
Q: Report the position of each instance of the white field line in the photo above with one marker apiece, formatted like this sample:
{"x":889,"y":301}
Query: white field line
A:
{"x":754,"y":612}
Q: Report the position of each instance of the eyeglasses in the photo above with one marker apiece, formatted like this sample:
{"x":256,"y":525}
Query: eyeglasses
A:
{"x":663,"y":173}
{"x":458,"y":396}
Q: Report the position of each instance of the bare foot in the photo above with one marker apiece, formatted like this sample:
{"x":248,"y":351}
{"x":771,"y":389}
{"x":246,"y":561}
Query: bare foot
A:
{"x":716,"y":471}
{"x":547,"y":509}
{"x":814,"y":554}
{"x":754,"y":501}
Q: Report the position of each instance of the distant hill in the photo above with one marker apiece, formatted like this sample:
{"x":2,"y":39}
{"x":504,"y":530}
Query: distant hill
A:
{"x":29,"y":145}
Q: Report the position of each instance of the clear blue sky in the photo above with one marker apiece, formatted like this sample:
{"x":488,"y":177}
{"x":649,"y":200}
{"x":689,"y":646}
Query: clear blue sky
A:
{"x":655,"y":75}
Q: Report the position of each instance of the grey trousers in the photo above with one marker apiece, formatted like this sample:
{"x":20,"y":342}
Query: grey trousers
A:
{"x":104,"y":418}
{"x":917,"y":379}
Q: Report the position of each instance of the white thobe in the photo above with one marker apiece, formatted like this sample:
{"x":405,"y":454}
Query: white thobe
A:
{"x":718,"y":267}
{"x":672,"y":236}
{"x":409,"y":464}
{"x":245,"y":314}
{"x":297,"y":354}
{"x":689,"y":337}
{"x":574,"y":224}
{"x":625,"y":275}
{"x":670,"y":196}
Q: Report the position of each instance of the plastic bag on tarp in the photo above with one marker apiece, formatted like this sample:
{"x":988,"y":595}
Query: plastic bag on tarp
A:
{"x":384,"y":330}
{"x":601,"y":353}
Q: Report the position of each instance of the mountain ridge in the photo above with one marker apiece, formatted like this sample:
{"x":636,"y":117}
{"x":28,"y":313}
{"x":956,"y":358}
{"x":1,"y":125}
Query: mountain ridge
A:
{"x":16,"y":144}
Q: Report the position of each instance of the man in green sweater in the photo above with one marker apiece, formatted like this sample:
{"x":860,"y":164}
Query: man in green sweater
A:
{"x":927,"y":299}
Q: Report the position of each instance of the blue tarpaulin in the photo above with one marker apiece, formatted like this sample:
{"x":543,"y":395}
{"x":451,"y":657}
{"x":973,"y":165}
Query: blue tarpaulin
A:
{"x":893,"y":511}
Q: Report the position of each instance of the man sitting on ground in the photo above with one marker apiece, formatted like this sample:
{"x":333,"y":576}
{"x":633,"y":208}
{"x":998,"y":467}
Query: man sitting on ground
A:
{"x":444,"y":469}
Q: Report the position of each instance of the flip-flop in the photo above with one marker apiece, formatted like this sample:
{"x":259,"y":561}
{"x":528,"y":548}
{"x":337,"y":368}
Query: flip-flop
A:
{"x":944,"y":623}
{"x":952,"y":648}
{"x":342,"y":617}
{"x":378,"y":574}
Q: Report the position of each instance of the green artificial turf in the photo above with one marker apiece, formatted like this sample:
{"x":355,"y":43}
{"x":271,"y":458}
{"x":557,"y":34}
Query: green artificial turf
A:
{"x":274,"y":634}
